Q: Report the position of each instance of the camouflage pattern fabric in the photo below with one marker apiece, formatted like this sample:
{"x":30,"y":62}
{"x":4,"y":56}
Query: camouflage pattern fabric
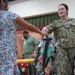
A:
{"x":64,"y":61}
{"x":64,"y":31}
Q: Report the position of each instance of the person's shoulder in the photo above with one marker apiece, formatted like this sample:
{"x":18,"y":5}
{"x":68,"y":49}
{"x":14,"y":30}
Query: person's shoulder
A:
{"x":31,"y":37}
{"x":72,"y":19}
{"x":6,"y":12}
{"x":58,"y":20}
{"x":11,"y":13}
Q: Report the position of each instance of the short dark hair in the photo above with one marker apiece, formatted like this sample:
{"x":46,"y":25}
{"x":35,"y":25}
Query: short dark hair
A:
{"x":25,"y":32}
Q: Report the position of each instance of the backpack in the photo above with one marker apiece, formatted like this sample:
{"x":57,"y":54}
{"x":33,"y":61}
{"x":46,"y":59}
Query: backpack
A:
{"x":45,"y":50}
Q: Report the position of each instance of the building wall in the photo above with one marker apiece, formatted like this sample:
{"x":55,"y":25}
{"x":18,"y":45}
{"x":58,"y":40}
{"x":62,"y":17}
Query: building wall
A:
{"x":34,"y":7}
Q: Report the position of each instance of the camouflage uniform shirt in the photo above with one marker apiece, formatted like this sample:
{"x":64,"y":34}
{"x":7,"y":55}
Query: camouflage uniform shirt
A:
{"x":64,"y":32}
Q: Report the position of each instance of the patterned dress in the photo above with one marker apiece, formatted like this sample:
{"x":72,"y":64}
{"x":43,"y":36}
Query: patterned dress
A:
{"x":8,"y":65}
{"x":65,"y":46}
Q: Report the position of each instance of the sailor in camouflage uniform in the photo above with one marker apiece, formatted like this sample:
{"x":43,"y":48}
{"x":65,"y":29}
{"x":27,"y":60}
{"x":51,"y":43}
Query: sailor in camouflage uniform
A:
{"x":64,"y":30}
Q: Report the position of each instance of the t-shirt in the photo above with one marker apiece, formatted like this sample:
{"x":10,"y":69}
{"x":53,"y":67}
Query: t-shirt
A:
{"x":29,"y":45}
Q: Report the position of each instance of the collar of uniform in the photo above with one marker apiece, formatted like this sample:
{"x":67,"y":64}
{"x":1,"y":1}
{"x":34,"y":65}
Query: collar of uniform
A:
{"x":64,"y":20}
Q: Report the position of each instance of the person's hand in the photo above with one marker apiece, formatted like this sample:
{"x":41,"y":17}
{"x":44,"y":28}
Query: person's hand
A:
{"x":33,"y":55}
{"x":44,"y":34}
